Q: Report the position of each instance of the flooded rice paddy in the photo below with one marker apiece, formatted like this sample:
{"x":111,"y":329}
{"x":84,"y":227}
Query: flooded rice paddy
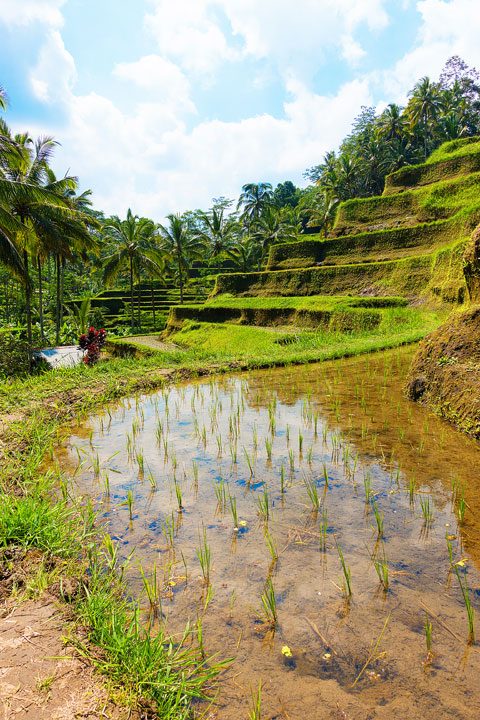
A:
{"x":310,"y":523}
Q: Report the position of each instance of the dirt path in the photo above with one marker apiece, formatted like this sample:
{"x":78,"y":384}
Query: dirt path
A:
{"x":41,"y":678}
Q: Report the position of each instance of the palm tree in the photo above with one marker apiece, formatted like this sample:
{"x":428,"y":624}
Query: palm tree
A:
{"x":217,"y":231}
{"x":255,"y":199}
{"x":36,"y":211}
{"x":424,"y":107}
{"x":276,"y":226}
{"x":182,"y":246}
{"x":392,"y":123}
{"x":135,"y":250}
{"x":246,"y":255}
{"x":3,"y":98}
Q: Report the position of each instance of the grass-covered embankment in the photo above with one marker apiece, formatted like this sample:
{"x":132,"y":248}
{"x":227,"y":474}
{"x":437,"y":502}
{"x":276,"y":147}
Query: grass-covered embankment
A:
{"x":37,"y":511}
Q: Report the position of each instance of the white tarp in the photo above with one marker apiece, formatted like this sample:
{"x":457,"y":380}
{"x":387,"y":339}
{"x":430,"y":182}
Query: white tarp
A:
{"x":60,"y":357}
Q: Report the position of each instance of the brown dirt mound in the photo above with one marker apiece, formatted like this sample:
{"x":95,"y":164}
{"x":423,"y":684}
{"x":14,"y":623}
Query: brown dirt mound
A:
{"x":445,"y":372}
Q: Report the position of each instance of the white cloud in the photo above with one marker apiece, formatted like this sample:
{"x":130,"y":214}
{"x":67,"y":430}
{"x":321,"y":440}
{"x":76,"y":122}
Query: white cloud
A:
{"x":290,"y":35}
{"x":448,"y":27}
{"x":54,"y":74}
{"x":186,"y":31}
{"x":162,"y":79}
{"x":25,"y":12}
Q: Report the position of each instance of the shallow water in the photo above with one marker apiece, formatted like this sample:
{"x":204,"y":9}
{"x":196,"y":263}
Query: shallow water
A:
{"x":207,"y":441}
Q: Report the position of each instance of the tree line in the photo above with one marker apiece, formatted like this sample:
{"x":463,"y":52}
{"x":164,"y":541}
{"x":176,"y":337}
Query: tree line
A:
{"x":55,"y":246}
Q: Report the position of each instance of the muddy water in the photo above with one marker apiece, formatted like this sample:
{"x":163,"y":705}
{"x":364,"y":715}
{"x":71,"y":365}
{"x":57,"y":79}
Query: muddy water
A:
{"x":340,"y":431}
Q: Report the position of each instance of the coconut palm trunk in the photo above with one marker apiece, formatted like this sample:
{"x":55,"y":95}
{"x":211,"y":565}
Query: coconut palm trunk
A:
{"x":28,"y":299}
{"x":40,"y":297}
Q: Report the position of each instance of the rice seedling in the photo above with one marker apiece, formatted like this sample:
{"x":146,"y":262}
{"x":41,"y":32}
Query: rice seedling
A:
{"x":199,"y":633}
{"x":255,"y":712}
{"x":221,"y":495}
{"x":347,"y":575}
{"x":106,"y":484}
{"x":378,"y":519}
{"x":204,"y":556}
{"x":291,"y":460}
{"x":462,"y":506}
{"x":428,"y":628}
{"x":151,"y":479}
{"x":315,"y":425}
{"x":195,"y":474}
{"x":325,"y":476}
{"x":381,"y":568}
{"x":168,"y":531}
{"x":411,"y":490}
{"x":263,"y":505}
{"x":272,"y":548}
{"x":427,"y":510}
{"x":287,"y":434}
{"x":255,"y":438}
{"x":151,"y":588}
{"x":219,"y":446}
{"x":467,"y":602}
{"x":268,"y":448}
{"x":310,"y":456}
{"x":300,"y":443}
{"x":208,"y":598}
{"x":96,"y":465}
{"x":367,"y":484}
{"x":129,"y":503}
{"x":269,"y":605}
{"x":249,"y":462}
{"x":140,"y":461}
{"x":312,"y":492}
{"x":178,"y":494}
{"x":282,"y":479}
{"x":233,"y":509}
{"x":323,"y":530}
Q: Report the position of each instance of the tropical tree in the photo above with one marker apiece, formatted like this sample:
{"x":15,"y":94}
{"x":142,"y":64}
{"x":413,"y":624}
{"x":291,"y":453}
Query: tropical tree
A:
{"x":135,"y":249}
{"x":182,"y":246}
{"x":254,"y":201}
{"x":275,"y":226}
{"x":217,"y":231}
{"x":424,"y":108}
{"x":37,"y":213}
{"x":246,"y":254}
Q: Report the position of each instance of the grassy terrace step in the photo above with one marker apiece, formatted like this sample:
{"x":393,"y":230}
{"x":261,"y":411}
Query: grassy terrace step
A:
{"x":374,"y":246}
{"x":419,"y":205}
{"x":438,"y":274}
{"x":332,"y":313}
{"x":463,"y":159}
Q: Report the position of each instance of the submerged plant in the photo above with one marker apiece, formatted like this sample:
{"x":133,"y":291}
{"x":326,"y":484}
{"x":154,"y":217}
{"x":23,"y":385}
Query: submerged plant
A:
{"x":428,"y":628}
{"x":263,"y":504}
{"x":427,"y":511}
{"x":272,"y":548}
{"x":381,"y":568}
{"x":468,"y":605}
{"x":233,"y":510}
{"x":378,"y":519}
{"x":312,"y":492}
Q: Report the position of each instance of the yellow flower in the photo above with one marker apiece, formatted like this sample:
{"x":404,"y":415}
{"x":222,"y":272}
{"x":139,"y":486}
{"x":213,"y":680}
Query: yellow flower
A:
{"x":242,"y":523}
{"x":461,"y":563}
{"x":286,"y":651}
{"x":327,"y":656}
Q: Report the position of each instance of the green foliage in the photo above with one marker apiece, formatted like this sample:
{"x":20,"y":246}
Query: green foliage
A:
{"x":14,"y":354}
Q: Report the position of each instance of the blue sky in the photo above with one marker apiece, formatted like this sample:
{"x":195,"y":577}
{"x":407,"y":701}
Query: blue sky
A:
{"x":160,"y":105}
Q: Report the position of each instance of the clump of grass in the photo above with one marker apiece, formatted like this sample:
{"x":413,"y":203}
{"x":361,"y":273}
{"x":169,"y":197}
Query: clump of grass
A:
{"x":323,"y":530}
{"x":282,"y":479}
{"x":178,"y":494}
{"x":268,"y":448}
{"x":233,"y":510}
{"x":221,"y":495}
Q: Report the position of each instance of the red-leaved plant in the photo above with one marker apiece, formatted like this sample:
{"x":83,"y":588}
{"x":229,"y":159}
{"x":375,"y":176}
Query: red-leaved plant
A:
{"x":92,"y":342}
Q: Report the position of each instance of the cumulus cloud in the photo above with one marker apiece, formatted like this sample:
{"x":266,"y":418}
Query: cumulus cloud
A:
{"x":53,"y":76}
{"x":448,"y":27}
{"x":208,"y":32}
{"x":26,"y":12}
